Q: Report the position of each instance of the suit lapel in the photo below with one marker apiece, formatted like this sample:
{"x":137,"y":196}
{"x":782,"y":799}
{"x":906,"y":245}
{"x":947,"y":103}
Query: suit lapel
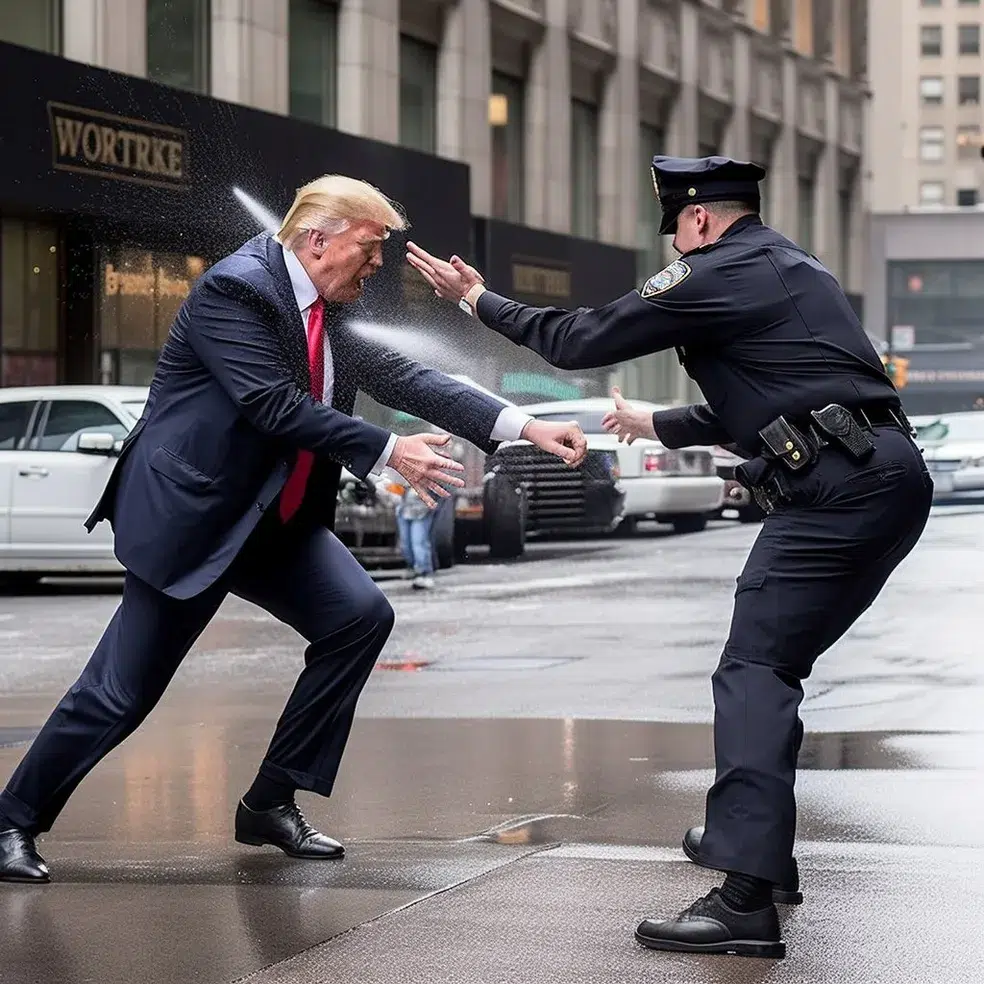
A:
{"x":293,"y":335}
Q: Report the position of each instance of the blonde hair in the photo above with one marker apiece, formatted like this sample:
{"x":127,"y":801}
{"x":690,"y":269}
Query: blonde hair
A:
{"x":330,"y":203}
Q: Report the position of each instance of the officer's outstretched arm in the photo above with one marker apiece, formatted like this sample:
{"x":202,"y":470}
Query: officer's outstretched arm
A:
{"x":582,"y":339}
{"x":681,"y":427}
{"x":671,"y":309}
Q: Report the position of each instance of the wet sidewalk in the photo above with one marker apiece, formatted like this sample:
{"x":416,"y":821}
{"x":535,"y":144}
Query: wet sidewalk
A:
{"x":489,"y":850}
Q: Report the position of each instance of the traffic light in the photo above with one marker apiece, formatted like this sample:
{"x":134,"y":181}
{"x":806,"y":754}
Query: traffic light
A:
{"x":897,"y":369}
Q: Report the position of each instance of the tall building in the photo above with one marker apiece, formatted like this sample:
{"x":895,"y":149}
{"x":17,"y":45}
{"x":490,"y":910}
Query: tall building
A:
{"x":522,"y":127}
{"x":924,"y":289}
{"x":926,"y":67}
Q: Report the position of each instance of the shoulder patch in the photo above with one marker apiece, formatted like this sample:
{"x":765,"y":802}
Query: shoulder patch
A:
{"x":675,"y":273}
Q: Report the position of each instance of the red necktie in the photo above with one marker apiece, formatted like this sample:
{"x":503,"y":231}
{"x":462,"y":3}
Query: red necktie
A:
{"x":293,"y":492}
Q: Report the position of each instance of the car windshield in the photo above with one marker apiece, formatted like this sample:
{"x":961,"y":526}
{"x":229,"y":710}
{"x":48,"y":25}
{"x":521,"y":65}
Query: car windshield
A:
{"x":953,"y":429}
{"x":134,"y":408}
{"x":590,"y":422}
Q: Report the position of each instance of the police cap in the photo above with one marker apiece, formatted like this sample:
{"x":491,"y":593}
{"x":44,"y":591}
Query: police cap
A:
{"x":683,"y":181}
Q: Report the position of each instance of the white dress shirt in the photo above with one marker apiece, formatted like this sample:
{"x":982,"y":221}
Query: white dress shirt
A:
{"x":508,"y":426}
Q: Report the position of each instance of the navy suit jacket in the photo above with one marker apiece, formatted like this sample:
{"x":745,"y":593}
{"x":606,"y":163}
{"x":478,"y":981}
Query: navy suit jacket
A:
{"x":228,"y":409}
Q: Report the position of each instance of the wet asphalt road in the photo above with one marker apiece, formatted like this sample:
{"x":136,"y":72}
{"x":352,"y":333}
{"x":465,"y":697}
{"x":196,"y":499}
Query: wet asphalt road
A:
{"x":530,"y":749}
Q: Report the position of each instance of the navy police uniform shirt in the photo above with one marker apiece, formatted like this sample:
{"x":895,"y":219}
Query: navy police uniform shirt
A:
{"x":760,"y":325}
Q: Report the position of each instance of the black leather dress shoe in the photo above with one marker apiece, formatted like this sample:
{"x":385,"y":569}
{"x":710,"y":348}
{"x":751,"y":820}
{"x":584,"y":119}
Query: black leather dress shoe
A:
{"x":710,"y":926}
{"x":285,"y":827}
{"x":786,"y":894}
{"x":19,"y":859}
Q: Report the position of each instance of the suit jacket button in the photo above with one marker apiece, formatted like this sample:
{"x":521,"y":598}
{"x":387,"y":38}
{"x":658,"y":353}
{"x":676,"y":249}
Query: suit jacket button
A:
{"x":259,"y":507}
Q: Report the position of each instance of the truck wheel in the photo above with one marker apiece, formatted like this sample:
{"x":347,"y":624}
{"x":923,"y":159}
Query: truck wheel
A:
{"x":628,"y":527}
{"x":444,"y":551}
{"x":689,"y":524}
{"x":505,"y":517}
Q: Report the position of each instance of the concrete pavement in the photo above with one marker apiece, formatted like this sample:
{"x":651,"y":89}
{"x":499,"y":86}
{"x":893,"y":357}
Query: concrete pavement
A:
{"x":513,"y":806}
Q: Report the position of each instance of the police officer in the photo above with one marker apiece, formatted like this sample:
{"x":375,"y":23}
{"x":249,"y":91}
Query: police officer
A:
{"x":790,"y":377}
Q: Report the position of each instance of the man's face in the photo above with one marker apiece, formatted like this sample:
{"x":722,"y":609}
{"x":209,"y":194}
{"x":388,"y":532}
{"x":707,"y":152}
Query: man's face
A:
{"x":339,"y":265}
{"x":692,"y":229}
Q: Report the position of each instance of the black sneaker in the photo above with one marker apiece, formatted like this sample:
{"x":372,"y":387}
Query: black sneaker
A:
{"x":711,"y":926}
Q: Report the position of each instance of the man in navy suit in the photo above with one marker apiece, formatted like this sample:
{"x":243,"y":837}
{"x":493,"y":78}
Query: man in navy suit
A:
{"x":227,"y":485}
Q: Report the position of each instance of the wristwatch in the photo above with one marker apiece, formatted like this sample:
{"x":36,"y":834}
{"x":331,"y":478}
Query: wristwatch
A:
{"x":469,"y":301}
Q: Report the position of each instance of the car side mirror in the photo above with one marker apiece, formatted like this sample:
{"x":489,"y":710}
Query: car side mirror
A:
{"x":96,"y":443}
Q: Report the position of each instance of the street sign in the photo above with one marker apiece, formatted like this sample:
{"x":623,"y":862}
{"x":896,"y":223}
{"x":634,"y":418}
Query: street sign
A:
{"x":903,"y":338}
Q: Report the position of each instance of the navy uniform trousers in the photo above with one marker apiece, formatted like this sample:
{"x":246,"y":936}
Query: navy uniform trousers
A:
{"x":819,"y":562}
{"x":301,"y":575}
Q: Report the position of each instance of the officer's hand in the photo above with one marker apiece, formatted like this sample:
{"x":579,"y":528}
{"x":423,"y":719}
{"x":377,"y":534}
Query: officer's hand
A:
{"x":450,"y":280}
{"x":627,"y":422}
{"x":565,"y":440}
{"x":425,"y":469}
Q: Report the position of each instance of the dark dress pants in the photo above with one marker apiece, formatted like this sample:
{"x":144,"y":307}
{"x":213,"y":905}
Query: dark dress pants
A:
{"x":303,"y":576}
{"x":817,"y":565}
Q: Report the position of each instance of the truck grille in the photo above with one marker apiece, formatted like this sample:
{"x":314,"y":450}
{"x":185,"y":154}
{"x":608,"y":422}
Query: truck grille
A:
{"x":561,"y":498}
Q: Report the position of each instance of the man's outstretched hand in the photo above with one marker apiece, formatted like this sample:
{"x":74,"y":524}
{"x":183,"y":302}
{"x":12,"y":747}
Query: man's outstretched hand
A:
{"x":450,"y":280}
{"x":424,"y":468}
{"x":565,"y":440}
{"x":626,"y":422}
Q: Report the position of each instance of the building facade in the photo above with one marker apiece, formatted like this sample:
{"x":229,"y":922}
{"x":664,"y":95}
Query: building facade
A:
{"x":926,"y":116}
{"x":545,"y":112}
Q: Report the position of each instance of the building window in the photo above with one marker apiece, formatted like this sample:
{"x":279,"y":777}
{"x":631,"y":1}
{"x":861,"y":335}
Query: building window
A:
{"x":584,"y":169}
{"x":29,"y":303}
{"x":507,"y":111}
{"x":139,"y":294}
{"x":806,"y":208}
{"x":930,"y":3}
{"x":761,"y":20}
{"x":34,"y":24}
{"x":966,"y":197}
{"x":652,"y":141}
{"x":931,"y":193}
{"x":968,"y":3}
{"x":969,"y":39}
{"x":931,"y":143}
{"x":969,"y":90}
{"x":968,"y":142}
{"x":931,"y":90}
{"x":930,"y":40}
{"x":313,"y":60}
{"x":846,"y":203}
{"x":418,"y":95}
{"x":178,"y":43}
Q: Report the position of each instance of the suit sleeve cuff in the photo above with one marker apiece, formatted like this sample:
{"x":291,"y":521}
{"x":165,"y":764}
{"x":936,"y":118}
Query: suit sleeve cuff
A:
{"x":488,"y":309}
{"x":382,"y":461}
{"x":509,"y":424}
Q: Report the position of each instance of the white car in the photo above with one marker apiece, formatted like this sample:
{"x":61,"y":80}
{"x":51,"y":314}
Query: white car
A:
{"x":677,"y":487}
{"x":58,"y":445}
{"x":953,"y":446}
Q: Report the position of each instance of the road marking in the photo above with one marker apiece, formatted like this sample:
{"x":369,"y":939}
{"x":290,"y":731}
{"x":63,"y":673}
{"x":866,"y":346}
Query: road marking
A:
{"x":491,"y":588}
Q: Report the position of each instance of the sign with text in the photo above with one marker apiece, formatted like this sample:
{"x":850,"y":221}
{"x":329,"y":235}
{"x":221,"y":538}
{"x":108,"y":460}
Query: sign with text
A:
{"x":537,"y":280}
{"x":108,"y":146}
{"x":903,"y":338}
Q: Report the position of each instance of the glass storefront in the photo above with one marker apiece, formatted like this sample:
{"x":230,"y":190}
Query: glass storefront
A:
{"x":138,"y":295}
{"x":943,"y":300}
{"x":29,"y":303}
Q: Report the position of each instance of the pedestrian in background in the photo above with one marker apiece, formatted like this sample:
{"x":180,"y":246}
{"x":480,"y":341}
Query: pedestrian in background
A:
{"x":416,"y":525}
